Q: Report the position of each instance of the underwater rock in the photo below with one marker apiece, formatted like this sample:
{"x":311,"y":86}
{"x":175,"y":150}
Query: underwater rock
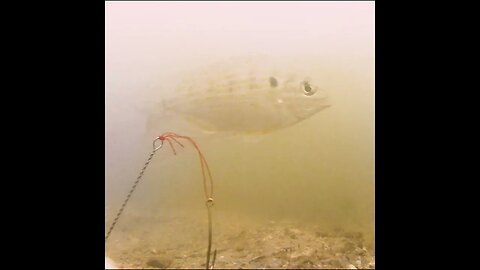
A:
{"x":161,"y":262}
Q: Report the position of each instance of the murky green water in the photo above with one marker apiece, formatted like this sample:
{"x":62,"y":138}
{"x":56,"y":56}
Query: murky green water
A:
{"x":297,"y":197}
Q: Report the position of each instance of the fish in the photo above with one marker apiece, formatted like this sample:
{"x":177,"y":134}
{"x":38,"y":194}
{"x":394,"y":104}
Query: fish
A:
{"x":246,"y":95}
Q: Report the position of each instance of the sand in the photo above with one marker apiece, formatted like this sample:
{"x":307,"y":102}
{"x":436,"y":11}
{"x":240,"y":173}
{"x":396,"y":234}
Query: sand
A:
{"x":181,"y":242}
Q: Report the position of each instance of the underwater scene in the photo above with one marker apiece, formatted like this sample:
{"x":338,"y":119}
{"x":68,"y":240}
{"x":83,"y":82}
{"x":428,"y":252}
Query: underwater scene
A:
{"x":239,"y":135}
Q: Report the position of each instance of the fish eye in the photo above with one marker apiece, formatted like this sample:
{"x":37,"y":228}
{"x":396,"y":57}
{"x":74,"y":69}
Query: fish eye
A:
{"x":308,"y":90}
{"x":273,"y":82}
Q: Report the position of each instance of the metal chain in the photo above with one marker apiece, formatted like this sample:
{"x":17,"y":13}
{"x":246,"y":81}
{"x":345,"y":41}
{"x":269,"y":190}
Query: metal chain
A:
{"x":133,"y":188}
{"x":209,"y":204}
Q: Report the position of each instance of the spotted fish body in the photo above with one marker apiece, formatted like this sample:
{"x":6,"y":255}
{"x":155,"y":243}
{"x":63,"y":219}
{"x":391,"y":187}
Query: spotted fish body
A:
{"x":247,"y":95}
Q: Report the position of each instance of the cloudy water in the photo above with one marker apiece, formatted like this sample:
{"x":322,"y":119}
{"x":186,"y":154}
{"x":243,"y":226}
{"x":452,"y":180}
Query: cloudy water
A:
{"x":291,"y":189}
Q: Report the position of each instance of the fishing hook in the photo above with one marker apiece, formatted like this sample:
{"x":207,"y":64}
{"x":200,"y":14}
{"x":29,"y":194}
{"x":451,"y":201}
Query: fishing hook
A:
{"x":204,"y":166}
{"x":155,"y":148}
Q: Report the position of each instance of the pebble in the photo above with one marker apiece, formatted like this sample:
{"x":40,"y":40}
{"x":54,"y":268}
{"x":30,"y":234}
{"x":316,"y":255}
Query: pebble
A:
{"x":160,"y":263}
